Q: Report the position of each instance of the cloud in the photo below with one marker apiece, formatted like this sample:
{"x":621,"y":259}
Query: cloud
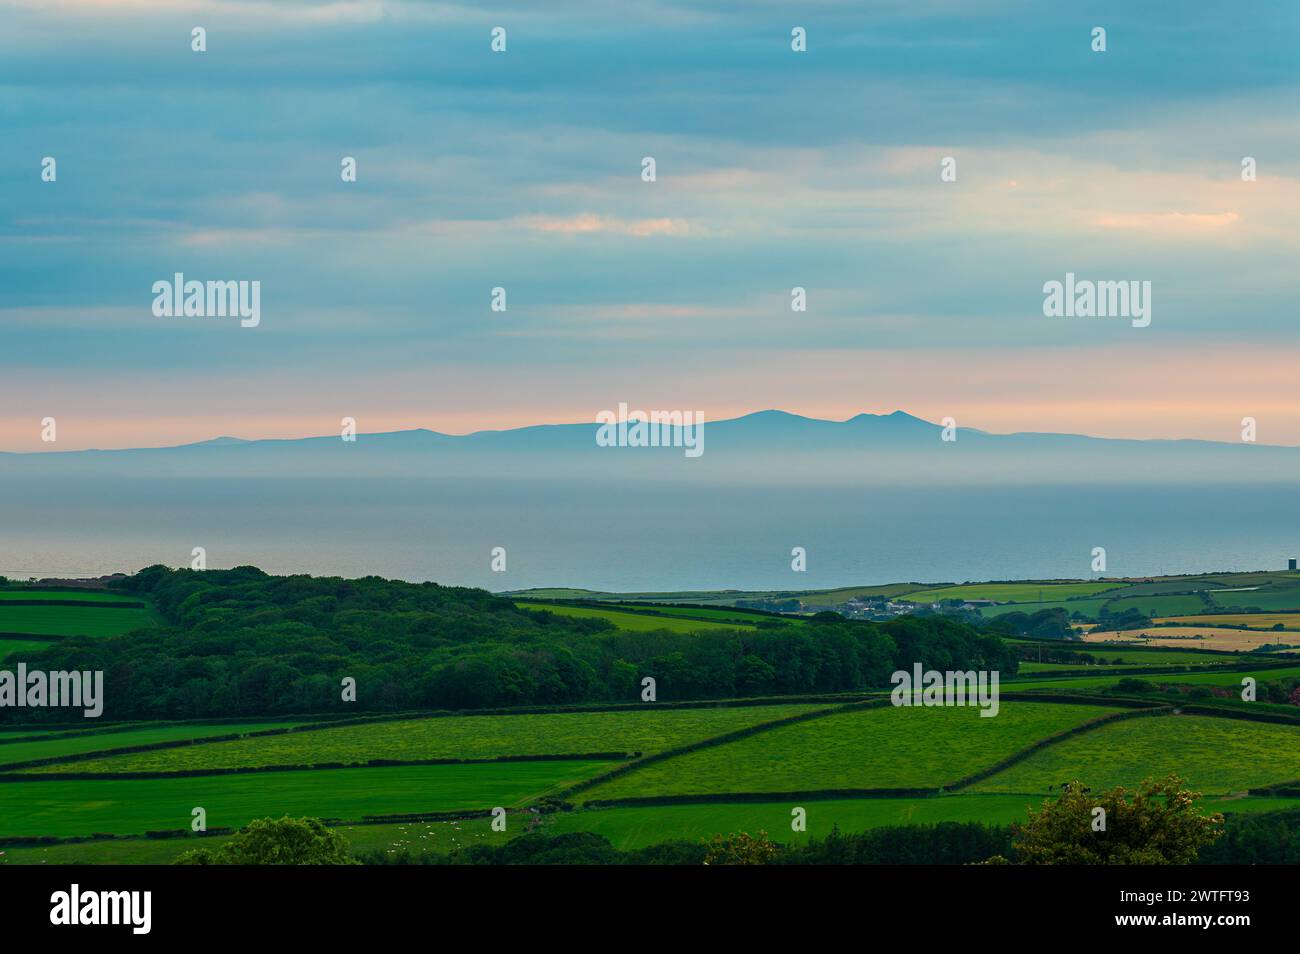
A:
{"x":1170,"y":224}
{"x":589,"y":223}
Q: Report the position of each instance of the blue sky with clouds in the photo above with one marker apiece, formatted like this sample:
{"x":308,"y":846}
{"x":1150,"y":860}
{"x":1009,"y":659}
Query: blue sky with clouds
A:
{"x":522,"y":169}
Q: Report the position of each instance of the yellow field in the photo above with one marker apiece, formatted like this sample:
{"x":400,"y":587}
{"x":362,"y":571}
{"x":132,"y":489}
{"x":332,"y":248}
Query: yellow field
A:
{"x":1253,"y":620}
{"x":1195,"y":637}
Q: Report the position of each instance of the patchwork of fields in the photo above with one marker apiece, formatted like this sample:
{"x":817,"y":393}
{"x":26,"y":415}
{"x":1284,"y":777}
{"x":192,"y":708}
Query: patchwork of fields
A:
{"x":708,"y":765}
{"x":448,"y":737}
{"x":671,"y":771}
{"x":880,"y":748}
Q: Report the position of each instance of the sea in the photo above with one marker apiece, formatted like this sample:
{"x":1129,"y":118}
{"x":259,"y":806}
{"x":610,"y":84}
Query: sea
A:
{"x":628,"y":536}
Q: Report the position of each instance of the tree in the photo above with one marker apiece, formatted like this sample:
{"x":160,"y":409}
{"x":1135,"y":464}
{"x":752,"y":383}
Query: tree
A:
{"x":741,"y":849}
{"x":268,"y":841}
{"x":1159,"y":825}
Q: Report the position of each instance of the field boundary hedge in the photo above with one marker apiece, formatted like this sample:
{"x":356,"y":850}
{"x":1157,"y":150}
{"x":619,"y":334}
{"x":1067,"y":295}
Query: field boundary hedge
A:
{"x":642,"y":801}
{"x":8,"y":775}
{"x":153,"y":746}
{"x":1120,"y":702}
{"x":105,"y":604}
{"x":1224,"y":712}
{"x":332,"y":719}
{"x":30,"y":841}
{"x":1282,"y":790}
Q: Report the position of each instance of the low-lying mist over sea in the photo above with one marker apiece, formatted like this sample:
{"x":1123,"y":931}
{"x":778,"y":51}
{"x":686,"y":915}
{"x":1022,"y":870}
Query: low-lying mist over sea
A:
{"x":874,"y":499}
{"x":639,"y":535}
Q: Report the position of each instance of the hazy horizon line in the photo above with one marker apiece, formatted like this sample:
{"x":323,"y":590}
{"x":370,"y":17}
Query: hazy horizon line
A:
{"x":522,"y":427}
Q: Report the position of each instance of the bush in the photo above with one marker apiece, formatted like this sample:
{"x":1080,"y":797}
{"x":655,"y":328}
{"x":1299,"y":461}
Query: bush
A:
{"x":267,"y":841}
{"x":1134,"y":685}
{"x":1159,"y":826}
{"x":741,"y":849}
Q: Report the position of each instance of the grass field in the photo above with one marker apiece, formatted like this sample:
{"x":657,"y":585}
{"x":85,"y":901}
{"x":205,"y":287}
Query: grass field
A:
{"x":1004,"y":592}
{"x":1135,"y":656}
{"x":1283,"y":598}
{"x":414,"y":838}
{"x":72,"y":620}
{"x":1214,"y":756}
{"x":632,"y":622}
{"x":1087,"y":608}
{"x":872,"y":748}
{"x":1157,"y":605}
{"x":887,"y":591}
{"x":89,"y":596}
{"x":135,"y":806}
{"x":12,"y":752}
{"x":626,"y":828}
{"x":697,"y":612}
{"x":465,"y":737}
{"x":1229,"y":678}
{"x":18,"y":649}
{"x":639,"y":826}
{"x":1253,"y":620}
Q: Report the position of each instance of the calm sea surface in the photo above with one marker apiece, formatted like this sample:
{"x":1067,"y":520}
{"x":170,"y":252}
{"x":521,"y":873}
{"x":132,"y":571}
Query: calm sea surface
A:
{"x":626,"y":536}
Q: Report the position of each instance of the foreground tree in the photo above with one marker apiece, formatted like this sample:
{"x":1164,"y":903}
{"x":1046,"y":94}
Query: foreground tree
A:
{"x":741,"y":849}
{"x":1159,"y":824}
{"x":284,"y":841}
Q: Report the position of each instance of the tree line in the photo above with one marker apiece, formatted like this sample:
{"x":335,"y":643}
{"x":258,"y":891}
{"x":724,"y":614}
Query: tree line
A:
{"x":241,"y":642}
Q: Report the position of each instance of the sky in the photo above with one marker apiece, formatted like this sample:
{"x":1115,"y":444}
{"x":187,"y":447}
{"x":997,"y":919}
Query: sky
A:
{"x":522,"y":170}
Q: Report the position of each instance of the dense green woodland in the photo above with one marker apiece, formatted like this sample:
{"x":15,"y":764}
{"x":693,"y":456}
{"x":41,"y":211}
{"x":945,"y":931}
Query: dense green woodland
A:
{"x":241,"y":643}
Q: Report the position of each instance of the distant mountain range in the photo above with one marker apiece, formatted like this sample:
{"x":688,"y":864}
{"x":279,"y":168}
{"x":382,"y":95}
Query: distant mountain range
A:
{"x":764,"y":447}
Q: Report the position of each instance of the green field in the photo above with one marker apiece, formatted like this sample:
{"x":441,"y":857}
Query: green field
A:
{"x":1230,"y":678}
{"x":1134,"y":657}
{"x":626,"y":828}
{"x":1214,"y":756}
{"x":1087,"y":608}
{"x":632,"y":622}
{"x":1287,"y":598}
{"x":92,"y":596}
{"x":414,"y":838}
{"x":72,"y":620}
{"x":1003,"y":592}
{"x":18,"y":649}
{"x":886,"y":747}
{"x":134,"y":806}
{"x":1158,"y":605}
{"x":638,"y":826}
{"x":1275,"y":591}
{"x":13,"y":752}
{"x":463,"y":737}
{"x":832,"y":597}
{"x":701,"y":613}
